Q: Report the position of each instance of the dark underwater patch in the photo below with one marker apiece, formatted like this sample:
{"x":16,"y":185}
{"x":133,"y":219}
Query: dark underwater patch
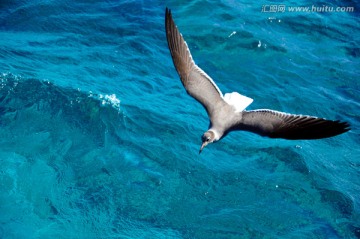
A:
{"x":353,"y":51}
{"x":338,"y":200}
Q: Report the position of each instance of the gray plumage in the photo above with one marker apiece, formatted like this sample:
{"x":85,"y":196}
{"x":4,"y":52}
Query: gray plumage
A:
{"x":225,"y":117}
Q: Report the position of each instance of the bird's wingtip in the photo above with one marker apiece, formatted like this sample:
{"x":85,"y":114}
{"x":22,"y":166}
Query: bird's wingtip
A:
{"x":345,"y":125}
{"x":167,"y":11}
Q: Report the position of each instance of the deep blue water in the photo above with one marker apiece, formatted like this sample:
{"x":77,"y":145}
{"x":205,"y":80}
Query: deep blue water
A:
{"x":98,"y":138}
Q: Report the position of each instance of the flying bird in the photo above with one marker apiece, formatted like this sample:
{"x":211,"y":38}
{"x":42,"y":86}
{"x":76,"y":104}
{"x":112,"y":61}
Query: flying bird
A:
{"x":227,"y":112}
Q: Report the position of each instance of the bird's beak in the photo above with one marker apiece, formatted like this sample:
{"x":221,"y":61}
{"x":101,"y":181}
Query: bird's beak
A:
{"x":202,"y":147}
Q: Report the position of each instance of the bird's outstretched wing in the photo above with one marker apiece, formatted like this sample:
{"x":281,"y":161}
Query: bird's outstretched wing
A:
{"x":275,"y":124}
{"x":196,"y":82}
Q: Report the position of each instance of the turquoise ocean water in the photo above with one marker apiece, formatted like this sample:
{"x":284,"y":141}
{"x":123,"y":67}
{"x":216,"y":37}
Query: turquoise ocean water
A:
{"x":98,"y":138}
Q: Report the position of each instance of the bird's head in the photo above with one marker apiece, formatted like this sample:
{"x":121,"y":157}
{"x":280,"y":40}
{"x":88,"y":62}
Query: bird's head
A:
{"x":207,"y":138}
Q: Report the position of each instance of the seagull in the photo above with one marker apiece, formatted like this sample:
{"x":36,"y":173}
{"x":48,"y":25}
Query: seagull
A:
{"x":227,"y":112}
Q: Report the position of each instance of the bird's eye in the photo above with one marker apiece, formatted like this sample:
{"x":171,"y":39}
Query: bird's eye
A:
{"x":208,"y":139}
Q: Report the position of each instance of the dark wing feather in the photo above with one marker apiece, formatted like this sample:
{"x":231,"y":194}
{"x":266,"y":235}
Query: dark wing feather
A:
{"x":276,"y":124}
{"x":196,"y":82}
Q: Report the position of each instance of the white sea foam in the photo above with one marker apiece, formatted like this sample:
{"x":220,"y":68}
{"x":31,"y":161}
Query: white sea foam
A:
{"x":110,"y":100}
{"x":233,"y":33}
